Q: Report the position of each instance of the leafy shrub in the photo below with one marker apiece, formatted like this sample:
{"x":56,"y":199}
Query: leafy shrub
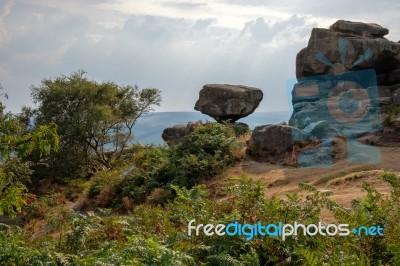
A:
{"x":392,"y":118}
{"x":240,"y":129}
{"x":101,"y":190}
{"x":204,"y":153}
{"x":157,"y":235}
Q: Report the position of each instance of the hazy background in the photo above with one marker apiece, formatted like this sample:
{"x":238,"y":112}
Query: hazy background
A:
{"x":175,"y":46}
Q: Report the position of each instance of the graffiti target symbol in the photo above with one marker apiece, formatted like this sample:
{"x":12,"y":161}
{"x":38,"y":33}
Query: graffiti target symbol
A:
{"x":348,"y":101}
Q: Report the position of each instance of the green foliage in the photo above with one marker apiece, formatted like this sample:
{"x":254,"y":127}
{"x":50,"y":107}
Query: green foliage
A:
{"x":15,"y":145}
{"x":223,"y":260}
{"x":155,"y":235}
{"x":392,"y":118}
{"x":392,"y":179}
{"x":12,"y":196}
{"x":204,"y":153}
{"x":238,"y":128}
{"x":15,"y":250}
{"x":46,"y":207}
{"x":17,"y":171}
{"x":372,"y":210}
{"x":309,"y":258}
{"x":94,"y":119}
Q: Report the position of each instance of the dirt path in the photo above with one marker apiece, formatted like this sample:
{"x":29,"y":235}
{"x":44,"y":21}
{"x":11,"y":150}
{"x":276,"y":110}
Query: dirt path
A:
{"x":342,"y":178}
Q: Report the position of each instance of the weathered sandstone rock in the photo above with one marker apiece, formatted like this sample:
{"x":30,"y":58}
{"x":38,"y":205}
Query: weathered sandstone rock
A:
{"x":226,"y":102}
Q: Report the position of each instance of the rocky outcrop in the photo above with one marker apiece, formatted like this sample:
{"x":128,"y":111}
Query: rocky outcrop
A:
{"x":320,"y":130}
{"x":226,"y":102}
{"x":174,"y":135}
{"x":346,"y":74}
{"x":385,"y":95}
{"x":223,"y":102}
{"x":348,"y":47}
{"x":396,"y":96}
{"x":359,"y":28}
{"x":274,"y":139}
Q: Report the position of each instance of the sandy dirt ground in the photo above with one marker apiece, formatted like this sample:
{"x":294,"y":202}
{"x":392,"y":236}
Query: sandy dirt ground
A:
{"x":342,"y":178}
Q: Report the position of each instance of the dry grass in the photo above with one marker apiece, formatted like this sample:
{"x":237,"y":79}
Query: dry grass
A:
{"x":128,"y":204}
{"x":157,"y":196}
{"x":238,"y":153}
{"x":346,"y":173}
{"x":353,"y":176}
{"x":344,"y":179}
{"x":279,"y":183}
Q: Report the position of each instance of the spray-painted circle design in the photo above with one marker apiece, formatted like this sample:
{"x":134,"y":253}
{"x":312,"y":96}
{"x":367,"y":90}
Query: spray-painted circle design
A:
{"x":358,"y":95}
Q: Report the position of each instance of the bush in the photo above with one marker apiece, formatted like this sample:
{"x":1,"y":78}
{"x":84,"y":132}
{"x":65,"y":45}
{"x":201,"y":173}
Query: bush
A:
{"x":392,"y":118}
{"x":204,"y":153}
{"x":155,"y":235}
{"x":241,"y":129}
{"x":95,"y":122}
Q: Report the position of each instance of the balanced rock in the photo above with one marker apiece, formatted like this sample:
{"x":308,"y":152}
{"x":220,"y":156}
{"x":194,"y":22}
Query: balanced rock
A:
{"x":226,"y":102}
{"x":359,"y":28}
{"x":274,"y":139}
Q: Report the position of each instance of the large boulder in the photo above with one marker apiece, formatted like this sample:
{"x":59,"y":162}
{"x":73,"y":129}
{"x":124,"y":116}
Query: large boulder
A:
{"x":320,"y":130}
{"x":323,"y":55}
{"x":389,"y":78}
{"x":359,"y":28}
{"x":174,"y":135}
{"x":274,"y":139}
{"x":226,"y":102}
{"x":300,"y":62}
{"x":349,"y":108}
{"x":396,"y":96}
{"x":385,"y":95}
{"x":311,"y":90}
{"x":345,"y":74}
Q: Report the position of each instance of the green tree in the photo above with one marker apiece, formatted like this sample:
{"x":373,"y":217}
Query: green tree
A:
{"x":14,"y":145}
{"x":94,"y":120}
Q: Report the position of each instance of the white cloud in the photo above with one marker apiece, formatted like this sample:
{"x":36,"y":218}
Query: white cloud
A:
{"x":178,"y":58}
{"x":184,"y":5}
{"x":229,"y":15}
{"x":277,"y":34}
{"x":174,"y":45}
{"x":5,"y":9}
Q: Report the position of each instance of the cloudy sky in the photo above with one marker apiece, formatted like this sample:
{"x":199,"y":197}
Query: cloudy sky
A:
{"x":173,"y":45}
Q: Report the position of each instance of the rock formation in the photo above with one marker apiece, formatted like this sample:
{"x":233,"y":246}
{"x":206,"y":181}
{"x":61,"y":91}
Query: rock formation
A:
{"x":345,"y":75}
{"x":223,"y":102}
{"x":396,"y":97}
{"x":359,"y":28}
{"x":350,"y":46}
{"x":274,"y":139}
{"x":174,"y":135}
{"x":226,"y":102}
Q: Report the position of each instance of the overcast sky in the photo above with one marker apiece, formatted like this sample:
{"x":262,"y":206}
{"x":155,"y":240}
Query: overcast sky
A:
{"x":175,"y":46}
